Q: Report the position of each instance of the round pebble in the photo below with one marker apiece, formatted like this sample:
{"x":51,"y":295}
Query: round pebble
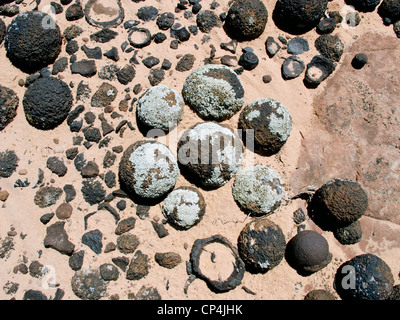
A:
{"x":365,"y":277}
{"x":33,"y":40}
{"x":261,"y":245}
{"x":64,"y":211}
{"x":148,"y":169}
{"x":258,"y":190}
{"x":184,"y":208}
{"x":47,"y":103}
{"x":271,"y":122}
{"x":308,"y":252}
{"x":160,"y":107}
{"x":214,"y":92}
{"x":359,"y":61}
{"x":207,"y":160}
{"x":338,"y":203}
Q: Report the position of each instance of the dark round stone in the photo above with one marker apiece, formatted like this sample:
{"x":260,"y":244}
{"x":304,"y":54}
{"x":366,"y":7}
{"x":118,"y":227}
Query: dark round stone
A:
{"x":299,"y":16}
{"x":326,"y":26}
{"x":319,"y":294}
{"x":148,"y":169}
{"x":261,"y":245}
{"x":318,"y":70}
{"x":249,"y":61}
{"x":298,"y":45}
{"x":350,"y":234}
{"x":147,"y":13}
{"x":359,"y":61}
{"x":271,"y":123}
{"x":389,"y":10}
{"x":8,"y":106}
{"x":330,"y":47}
{"x":246,"y":20}
{"x":364,"y":5}
{"x":308,"y":252}
{"x":338,"y":203}
{"x":33,"y":41}
{"x":210,"y":154}
{"x":365,"y":277}
{"x":292,"y":67}
{"x":165,"y":20}
{"x":47,"y":103}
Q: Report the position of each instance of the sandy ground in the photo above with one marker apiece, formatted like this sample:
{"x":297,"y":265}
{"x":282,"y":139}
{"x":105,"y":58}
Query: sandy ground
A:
{"x":222,"y":214}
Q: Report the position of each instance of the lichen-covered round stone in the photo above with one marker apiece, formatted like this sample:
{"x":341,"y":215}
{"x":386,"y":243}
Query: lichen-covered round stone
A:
{"x":261,"y":245}
{"x":160,"y":107}
{"x":210,"y":153}
{"x":270,"y":122}
{"x":214,"y":92}
{"x":184,"y":208}
{"x":258,"y":190}
{"x":148,"y":169}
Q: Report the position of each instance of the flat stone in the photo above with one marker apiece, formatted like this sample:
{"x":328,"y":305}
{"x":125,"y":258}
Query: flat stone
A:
{"x":57,"y":239}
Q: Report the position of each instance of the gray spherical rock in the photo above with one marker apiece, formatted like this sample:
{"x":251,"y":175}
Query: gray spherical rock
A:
{"x":299,"y":16}
{"x":214,"y":92}
{"x":160,"y":107}
{"x":33,"y":40}
{"x":246,"y":20}
{"x":365,"y":277}
{"x":148,"y":169}
{"x":338,"y":203}
{"x":258,"y":190}
{"x":271,"y":122}
{"x":308,"y":252}
{"x":8,"y":106}
{"x":210,"y":154}
{"x":261,"y":245}
{"x":47,"y":103}
{"x":184,"y":208}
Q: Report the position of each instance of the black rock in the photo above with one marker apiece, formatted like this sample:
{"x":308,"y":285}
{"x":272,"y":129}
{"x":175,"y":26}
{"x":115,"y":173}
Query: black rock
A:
{"x":92,"y":53}
{"x":29,"y":45}
{"x":79,"y":161}
{"x":57,"y":7}
{"x":9,"y":102}
{"x":47,"y":103}
{"x":389,"y":10}
{"x":150,"y":61}
{"x":76,"y":260}
{"x":147,"y":13}
{"x":326,"y":26}
{"x":72,"y":47}
{"x":93,"y":239}
{"x":330,"y":46}
{"x":2,"y":31}
{"x":186,"y":63}
{"x":93,"y":191}
{"x":126,"y":74}
{"x":318,"y":70}
{"x":166,"y":64}
{"x":160,"y":229}
{"x":57,"y":166}
{"x":110,"y":179}
{"x":249,"y":60}
{"x":45,"y":219}
{"x":109,"y":272}
{"x":272,"y":47}
{"x":74,"y":114}
{"x":34,"y":295}
{"x":156,"y":76}
{"x":70,"y":193}
{"x":299,"y":16}
{"x":298,"y":45}
{"x":93,"y":135}
{"x":71,"y":32}
{"x":165,"y":20}
{"x":359,"y":61}
{"x":159,"y":37}
{"x":365,"y":277}
{"x":292,"y":67}
{"x":112,"y":54}
{"x":364,"y":5}
{"x":60,"y":65}
{"x":350,"y":234}
{"x":206,"y":20}
{"x":86,"y":68}
{"x":74,"y":12}
{"x":308,"y":252}
{"x":104,"y":36}
{"x":246,"y":20}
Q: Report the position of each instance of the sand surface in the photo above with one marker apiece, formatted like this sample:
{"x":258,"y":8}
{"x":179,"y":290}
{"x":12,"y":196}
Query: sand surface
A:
{"x":222,"y":216}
